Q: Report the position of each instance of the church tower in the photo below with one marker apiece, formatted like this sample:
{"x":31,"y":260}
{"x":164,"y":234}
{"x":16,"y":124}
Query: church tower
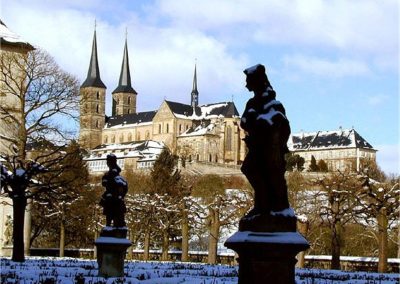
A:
{"x":195,"y":93}
{"x":124,"y":96}
{"x":92,"y":104}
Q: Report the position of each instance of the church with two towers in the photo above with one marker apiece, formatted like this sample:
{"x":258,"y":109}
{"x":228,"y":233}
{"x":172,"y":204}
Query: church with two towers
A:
{"x":199,"y":133}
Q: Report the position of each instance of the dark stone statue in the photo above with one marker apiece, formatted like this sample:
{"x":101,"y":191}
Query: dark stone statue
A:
{"x":112,"y":199}
{"x":267,"y":241}
{"x":267,"y":128}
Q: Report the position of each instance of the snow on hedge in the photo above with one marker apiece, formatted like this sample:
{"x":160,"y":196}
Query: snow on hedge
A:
{"x":70,"y":271}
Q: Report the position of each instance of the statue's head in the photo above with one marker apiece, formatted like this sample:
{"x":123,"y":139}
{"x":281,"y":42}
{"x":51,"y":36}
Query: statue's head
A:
{"x":256,"y":78}
{"x":111,"y":160}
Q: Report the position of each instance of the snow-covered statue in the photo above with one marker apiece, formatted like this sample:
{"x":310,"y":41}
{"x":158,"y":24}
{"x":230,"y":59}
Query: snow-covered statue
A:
{"x":112,"y":199}
{"x":267,"y":127}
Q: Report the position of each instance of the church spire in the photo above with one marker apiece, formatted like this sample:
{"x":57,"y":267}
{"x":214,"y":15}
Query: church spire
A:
{"x":93,"y":76}
{"x":124,"y":85}
{"x":195,"y":92}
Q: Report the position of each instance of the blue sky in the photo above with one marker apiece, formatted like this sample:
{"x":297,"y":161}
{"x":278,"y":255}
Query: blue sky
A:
{"x":332,"y":63}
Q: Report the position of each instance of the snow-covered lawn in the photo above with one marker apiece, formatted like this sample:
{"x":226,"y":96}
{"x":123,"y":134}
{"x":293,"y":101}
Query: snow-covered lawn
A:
{"x":78,"y":271}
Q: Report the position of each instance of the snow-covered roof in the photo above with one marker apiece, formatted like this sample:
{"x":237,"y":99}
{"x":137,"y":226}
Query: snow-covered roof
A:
{"x":209,"y":111}
{"x":324,"y":140}
{"x":223,"y":109}
{"x":127,"y":120}
{"x":205,"y":127}
{"x":143,"y":150}
{"x":9,"y":37}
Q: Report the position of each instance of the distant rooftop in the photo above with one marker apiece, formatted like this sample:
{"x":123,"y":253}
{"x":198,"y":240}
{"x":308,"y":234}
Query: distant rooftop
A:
{"x":224,"y":109}
{"x":8,"y":37}
{"x":138,"y":149}
{"x":342,"y":138}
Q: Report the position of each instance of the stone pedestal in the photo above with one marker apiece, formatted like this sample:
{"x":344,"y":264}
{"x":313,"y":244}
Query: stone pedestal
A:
{"x":111,"y":250}
{"x":267,"y":257}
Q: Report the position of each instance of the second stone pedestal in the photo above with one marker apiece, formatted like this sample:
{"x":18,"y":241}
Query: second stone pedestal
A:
{"x":266,"y":257}
{"x":111,"y":250}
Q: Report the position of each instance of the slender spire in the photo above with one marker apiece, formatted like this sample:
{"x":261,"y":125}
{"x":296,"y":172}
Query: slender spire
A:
{"x":124,"y":85}
{"x":93,"y":76}
{"x":195,"y":92}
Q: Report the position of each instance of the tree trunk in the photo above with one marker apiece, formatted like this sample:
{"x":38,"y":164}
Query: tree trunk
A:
{"x":303,"y":229}
{"x":62,"y":237}
{"x":398,"y":242}
{"x":19,"y":205}
{"x":214,"y":236}
{"x":146,"y":246}
{"x":335,"y":246}
{"x":165,"y":246}
{"x":383,"y":240}
{"x":28,"y":227}
{"x":185,"y":236}
{"x":96,"y":235}
{"x":130,"y":250}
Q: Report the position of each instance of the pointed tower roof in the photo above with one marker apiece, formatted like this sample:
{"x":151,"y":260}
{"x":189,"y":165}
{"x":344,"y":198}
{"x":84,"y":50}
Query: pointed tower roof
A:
{"x":93,"y":76}
{"x":124,"y":85}
{"x":195,"y":80}
{"x":195,"y":93}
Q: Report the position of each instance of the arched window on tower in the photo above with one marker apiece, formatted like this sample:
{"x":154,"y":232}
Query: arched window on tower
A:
{"x":129,"y":100}
{"x":159,"y":128}
{"x":97,"y":124}
{"x":97,"y":108}
{"x":167,"y":128}
{"x":129,"y":111}
{"x":228,"y":139}
{"x":98,"y":96}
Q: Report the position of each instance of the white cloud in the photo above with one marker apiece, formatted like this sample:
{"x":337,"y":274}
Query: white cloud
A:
{"x":366,"y":26}
{"x":342,"y":67}
{"x":161,"y":58}
{"x":388,"y":158}
{"x":377,"y":100}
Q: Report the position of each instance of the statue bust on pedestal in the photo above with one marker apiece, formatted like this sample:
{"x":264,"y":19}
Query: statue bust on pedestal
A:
{"x":112,"y":199}
{"x":267,"y":241}
{"x":112,"y":243}
{"x":267,"y":132}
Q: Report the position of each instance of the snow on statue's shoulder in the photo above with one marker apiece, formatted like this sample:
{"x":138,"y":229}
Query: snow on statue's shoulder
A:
{"x":20,"y":172}
{"x":288,"y":212}
{"x":120,"y":181}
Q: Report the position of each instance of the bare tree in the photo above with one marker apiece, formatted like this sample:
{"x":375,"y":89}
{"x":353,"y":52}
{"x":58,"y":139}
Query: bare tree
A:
{"x":378,"y":207}
{"x":336,"y":208}
{"x":222,"y":207}
{"x":39,"y":95}
{"x":43,"y":95}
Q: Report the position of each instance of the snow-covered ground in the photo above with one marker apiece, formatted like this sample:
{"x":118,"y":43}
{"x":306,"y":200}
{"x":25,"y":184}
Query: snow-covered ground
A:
{"x":78,"y":271}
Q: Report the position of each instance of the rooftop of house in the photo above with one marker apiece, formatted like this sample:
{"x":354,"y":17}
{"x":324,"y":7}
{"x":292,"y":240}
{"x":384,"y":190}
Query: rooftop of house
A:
{"x":321,"y":140}
{"x":128,"y":120}
{"x":209,"y":111}
{"x":8,"y":37}
{"x":139,"y":149}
